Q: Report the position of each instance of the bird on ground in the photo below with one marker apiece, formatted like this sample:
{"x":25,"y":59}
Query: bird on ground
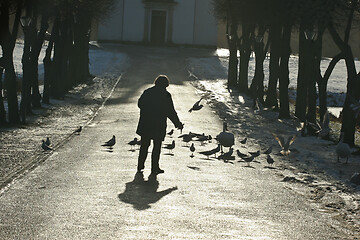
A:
{"x":248,"y":159}
{"x":171,"y":132}
{"x":133,"y":142}
{"x":269,"y":159}
{"x":342,"y":149}
{"x":197,"y":106}
{"x":240,"y":154}
{"x":211,"y":152}
{"x":110,"y":143}
{"x":243,"y":141}
{"x":187,"y":139}
{"x":45,"y":147}
{"x":227,"y":155}
{"x":269,"y":150}
{"x":47,"y":142}
{"x":192,"y":149}
{"x":170,"y":146}
{"x":78,"y":130}
{"x":255,"y":154}
{"x":225,"y":139}
{"x":284,"y":145}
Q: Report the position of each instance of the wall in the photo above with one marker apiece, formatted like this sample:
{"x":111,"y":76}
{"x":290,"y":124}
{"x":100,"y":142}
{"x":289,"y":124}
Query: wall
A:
{"x":113,"y":22}
{"x":183,"y":26}
{"x":134,"y":15}
{"x":205,"y":24}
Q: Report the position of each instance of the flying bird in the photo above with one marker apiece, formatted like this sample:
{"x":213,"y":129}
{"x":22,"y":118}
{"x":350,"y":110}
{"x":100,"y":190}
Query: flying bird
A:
{"x":171,"y":146}
{"x":284,"y":145}
{"x":269,"y":159}
{"x":78,"y":130}
{"x":322,"y":129}
{"x":45,"y":147}
{"x":342,"y":149}
{"x":110,"y":143}
{"x":197,"y":106}
{"x":192,"y":149}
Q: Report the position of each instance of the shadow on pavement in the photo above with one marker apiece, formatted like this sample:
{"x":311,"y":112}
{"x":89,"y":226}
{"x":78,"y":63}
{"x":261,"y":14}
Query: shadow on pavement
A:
{"x":141,"y":193}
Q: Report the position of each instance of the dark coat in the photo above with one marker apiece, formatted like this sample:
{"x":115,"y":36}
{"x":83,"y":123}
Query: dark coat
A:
{"x":156,"y":106}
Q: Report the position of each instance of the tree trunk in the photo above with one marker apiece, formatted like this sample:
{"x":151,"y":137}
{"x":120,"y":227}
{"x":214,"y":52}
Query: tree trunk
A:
{"x":38,"y":41}
{"x":48,"y":64}
{"x":245,"y":52}
{"x":284,"y":111}
{"x":58,"y":82}
{"x":257,"y":85}
{"x":275,"y":41}
{"x":353,"y":87}
{"x":233,"y":59}
{"x":2,"y":108}
{"x":8,"y":44}
{"x":301,"y":89}
{"x":25,"y":104}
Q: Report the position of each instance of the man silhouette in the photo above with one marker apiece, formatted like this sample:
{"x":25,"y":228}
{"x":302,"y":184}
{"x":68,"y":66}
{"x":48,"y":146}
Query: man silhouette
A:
{"x":156,"y":106}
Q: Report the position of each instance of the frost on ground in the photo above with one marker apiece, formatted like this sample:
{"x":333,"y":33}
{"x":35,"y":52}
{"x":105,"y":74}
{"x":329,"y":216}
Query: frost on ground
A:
{"x":312,"y":165}
{"x":20,"y":148}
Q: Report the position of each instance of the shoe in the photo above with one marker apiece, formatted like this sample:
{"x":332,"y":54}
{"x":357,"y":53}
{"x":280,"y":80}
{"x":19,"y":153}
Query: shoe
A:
{"x":140,"y":169}
{"x":157,"y":171}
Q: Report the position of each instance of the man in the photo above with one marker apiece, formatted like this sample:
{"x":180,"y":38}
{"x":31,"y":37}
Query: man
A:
{"x":156,"y":106}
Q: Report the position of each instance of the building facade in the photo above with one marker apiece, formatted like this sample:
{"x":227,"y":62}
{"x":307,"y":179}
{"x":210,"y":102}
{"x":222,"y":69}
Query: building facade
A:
{"x":159,"y":22}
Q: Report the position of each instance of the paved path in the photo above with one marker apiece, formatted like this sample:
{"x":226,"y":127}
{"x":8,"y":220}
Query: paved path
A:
{"x":84,"y":191}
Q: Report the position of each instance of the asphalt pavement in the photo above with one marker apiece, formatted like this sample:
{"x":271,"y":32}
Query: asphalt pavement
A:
{"x":86,"y":191}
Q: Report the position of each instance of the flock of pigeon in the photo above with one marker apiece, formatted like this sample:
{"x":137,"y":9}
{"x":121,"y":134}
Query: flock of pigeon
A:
{"x":227,"y":139}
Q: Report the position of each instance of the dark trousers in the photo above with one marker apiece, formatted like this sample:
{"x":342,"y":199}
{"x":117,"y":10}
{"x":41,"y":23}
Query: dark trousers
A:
{"x":155,"y":155}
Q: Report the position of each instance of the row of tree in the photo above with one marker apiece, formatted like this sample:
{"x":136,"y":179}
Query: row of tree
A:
{"x":267,"y":25}
{"x":66,"y":61}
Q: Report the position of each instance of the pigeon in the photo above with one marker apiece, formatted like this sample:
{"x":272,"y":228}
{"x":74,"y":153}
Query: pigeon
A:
{"x":211,"y":152}
{"x":187,"y":138}
{"x":269,"y":150}
{"x":243,"y":141}
{"x":284,"y":145}
{"x":47,"y":142}
{"x":45,"y":146}
{"x":240,"y":154}
{"x":255,"y":154}
{"x":342,"y":149}
{"x":248,"y":159}
{"x":192,"y":149}
{"x":133,"y":142}
{"x":192,"y":76}
{"x":110,"y":143}
{"x":171,"y":132}
{"x":269,"y":159}
{"x":227,"y":155}
{"x":78,"y":130}
{"x":322,"y":129}
{"x":170,"y":146}
{"x":197,"y":106}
